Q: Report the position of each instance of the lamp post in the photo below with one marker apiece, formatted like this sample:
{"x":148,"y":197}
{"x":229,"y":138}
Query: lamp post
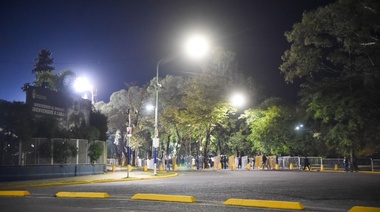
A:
{"x":156,"y":139}
{"x":197,"y":46}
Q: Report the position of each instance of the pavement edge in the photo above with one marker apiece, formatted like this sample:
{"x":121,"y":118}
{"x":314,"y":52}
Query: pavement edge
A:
{"x":162,"y":197}
{"x":265,"y":204}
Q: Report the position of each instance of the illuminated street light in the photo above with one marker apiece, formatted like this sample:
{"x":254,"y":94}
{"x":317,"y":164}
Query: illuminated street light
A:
{"x":298,"y":127}
{"x":196,"y":47}
{"x":82,"y":85}
{"x":238,"y":100}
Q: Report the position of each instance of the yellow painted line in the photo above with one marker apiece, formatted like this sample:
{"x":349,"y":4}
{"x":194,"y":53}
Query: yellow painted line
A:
{"x":82,"y":195}
{"x":14,"y":193}
{"x":265,"y":204}
{"x":363,"y":209}
{"x":167,"y":198}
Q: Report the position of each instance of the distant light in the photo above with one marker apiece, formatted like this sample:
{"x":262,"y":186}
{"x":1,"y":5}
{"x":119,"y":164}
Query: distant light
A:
{"x":150,"y":107}
{"x":298,"y":127}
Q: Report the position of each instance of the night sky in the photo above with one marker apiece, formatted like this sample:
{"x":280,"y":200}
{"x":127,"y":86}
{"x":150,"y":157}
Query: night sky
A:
{"x":115,"y":42}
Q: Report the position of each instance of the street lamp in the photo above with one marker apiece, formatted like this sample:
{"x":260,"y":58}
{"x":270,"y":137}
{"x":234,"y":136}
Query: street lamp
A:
{"x":82,"y":85}
{"x":237,"y":100}
{"x":196,"y":47}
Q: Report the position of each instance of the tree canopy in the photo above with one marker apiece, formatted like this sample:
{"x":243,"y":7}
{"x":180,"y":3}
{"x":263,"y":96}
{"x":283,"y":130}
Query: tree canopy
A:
{"x":336,"y":50}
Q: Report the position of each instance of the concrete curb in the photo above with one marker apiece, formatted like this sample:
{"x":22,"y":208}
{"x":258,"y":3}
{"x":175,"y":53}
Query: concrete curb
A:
{"x":38,"y":185}
{"x":14,"y":193}
{"x":162,"y":197}
{"x":265,"y":204}
{"x":82,"y":195}
{"x":363,"y":209}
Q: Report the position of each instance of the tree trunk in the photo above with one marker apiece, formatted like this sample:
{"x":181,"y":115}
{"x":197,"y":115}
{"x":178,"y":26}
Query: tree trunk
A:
{"x":208,"y":136}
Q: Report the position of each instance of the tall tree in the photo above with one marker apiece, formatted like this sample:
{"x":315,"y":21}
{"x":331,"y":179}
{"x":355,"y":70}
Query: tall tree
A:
{"x":336,"y":50}
{"x":44,"y":62}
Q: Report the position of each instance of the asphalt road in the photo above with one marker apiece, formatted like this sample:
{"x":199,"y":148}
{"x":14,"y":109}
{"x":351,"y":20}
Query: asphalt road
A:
{"x":317,"y":191}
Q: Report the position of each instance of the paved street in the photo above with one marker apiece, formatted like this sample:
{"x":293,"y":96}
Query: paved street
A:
{"x":317,"y":191}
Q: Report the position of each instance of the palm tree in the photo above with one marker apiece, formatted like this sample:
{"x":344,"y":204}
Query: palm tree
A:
{"x":62,"y":82}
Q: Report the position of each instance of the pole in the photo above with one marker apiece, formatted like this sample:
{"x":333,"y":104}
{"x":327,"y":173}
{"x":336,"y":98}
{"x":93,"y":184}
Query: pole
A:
{"x":128,"y":143}
{"x":156,"y":122}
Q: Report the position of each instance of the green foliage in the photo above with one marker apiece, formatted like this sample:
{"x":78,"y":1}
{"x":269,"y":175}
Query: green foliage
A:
{"x":95,"y":151}
{"x":272,"y":127}
{"x":335,"y":49}
{"x":44,"y":62}
{"x":60,"y":150}
{"x":63,"y":150}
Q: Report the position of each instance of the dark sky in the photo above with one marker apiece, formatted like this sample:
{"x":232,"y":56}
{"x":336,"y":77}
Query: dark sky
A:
{"x":112,"y":42}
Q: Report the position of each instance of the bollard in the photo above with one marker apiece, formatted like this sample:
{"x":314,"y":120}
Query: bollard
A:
{"x":291,"y":166}
{"x":161,"y":168}
{"x":322,"y":167}
{"x":175,"y":168}
{"x":233,"y":167}
{"x":336,"y":167}
{"x":276,"y":167}
{"x":145,"y":168}
{"x":113,"y":168}
{"x":248,"y":166}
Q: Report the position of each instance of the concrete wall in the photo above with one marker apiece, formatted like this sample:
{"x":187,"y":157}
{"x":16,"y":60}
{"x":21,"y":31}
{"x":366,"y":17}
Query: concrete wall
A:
{"x":17,"y":173}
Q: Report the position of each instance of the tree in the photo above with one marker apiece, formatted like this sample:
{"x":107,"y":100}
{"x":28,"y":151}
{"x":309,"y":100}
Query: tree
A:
{"x":44,"y":62}
{"x":336,"y":50}
{"x":272,"y":128}
{"x":95,"y":151}
{"x":62,"y":82}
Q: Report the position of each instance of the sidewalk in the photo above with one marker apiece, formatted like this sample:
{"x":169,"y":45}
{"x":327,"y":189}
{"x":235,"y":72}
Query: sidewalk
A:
{"x":117,"y":176}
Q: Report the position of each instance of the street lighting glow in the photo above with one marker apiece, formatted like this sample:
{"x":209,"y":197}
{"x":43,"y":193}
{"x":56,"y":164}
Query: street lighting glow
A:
{"x":150,"y":107}
{"x":238,"y":100}
{"x":197,"y":46}
{"x":82,"y":84}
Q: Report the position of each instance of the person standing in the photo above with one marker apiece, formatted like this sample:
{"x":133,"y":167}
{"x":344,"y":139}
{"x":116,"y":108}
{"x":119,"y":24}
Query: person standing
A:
{"x":346,"y":164}
{"x":239,"y":162}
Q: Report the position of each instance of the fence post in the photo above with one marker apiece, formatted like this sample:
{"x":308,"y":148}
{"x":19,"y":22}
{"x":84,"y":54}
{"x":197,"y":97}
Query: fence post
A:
{"x":322,"y":167}
{"x":372,"y":165}
{"x":299,"y":162}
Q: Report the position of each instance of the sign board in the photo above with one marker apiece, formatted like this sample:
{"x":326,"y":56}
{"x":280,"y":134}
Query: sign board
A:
{"x":156,"y":142}
{"x":68,"y":109}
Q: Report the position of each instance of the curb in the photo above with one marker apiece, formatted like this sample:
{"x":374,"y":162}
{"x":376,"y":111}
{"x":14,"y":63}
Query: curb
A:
{"x":166,"y":198}
{"x":363,"y":209}
{"x":265,"y":204}
{"x":14,"y":193}
{"x":85,"y":182}
{"x":82,"y":195}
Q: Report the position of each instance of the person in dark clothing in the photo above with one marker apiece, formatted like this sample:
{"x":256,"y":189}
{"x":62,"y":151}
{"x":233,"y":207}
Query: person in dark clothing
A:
{"x":307,"y":164}
{"x":264,"y":161}
{"x":239,"y":164}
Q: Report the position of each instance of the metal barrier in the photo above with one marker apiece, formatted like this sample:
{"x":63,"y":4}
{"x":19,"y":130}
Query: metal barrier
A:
{"x":333,"y":164}
{"x":375,"y":163}
{"x":31,"y":152}
{"x":299,"y":162}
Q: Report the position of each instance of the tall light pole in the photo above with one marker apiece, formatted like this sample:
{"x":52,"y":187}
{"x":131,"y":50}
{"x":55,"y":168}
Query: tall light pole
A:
{"x":197,"y":46}
{"x":156,"y":139}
